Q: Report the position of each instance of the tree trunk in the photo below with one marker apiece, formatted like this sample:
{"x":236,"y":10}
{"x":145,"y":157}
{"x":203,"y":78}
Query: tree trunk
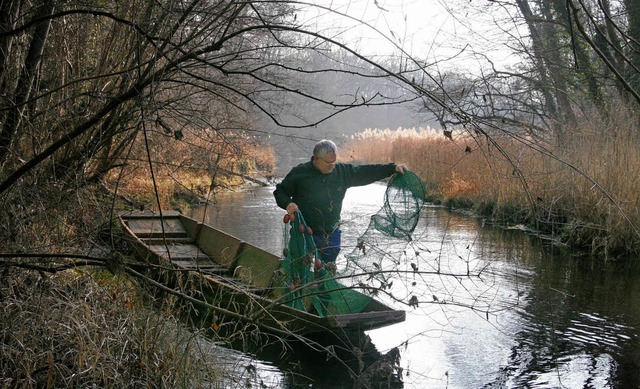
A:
{"x":552,"y":57}
{"x":25,"y":82}
{"x":633,"y":20}
{"x":538,"y":49}
{"x":8,"y":12}
{"x":616,"y":57}
{"x":545,"y":45}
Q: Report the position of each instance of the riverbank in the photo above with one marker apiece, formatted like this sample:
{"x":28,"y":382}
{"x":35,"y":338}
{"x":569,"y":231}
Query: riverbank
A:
{"x":91,"y":328}
{"x":583,"y":194}
{"x":191,"y":172}
{"x":89,"y":323}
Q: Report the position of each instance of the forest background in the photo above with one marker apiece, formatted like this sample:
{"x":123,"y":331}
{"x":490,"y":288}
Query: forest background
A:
{"x":123,"y":105}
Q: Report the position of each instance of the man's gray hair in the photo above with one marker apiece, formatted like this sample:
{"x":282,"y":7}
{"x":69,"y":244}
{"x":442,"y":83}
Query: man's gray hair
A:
{"x":325,"y":147}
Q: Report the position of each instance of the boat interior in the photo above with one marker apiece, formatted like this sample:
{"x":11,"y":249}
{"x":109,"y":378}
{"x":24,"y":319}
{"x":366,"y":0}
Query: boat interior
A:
{"x":193,"y":245}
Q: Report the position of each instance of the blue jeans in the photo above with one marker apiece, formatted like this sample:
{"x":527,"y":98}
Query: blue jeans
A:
{"x":328,"y":245}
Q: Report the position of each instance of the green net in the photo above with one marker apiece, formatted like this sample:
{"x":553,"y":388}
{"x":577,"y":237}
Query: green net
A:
{"x":403,"y":201}
{"x":311,"y":287}
{"x":380,"y":251}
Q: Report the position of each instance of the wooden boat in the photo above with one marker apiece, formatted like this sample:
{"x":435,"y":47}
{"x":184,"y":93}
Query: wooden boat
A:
{"x":237,"y":280}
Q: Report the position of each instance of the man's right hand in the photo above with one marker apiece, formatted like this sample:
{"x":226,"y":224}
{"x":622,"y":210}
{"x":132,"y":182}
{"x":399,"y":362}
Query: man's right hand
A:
{"x":292,"y":207}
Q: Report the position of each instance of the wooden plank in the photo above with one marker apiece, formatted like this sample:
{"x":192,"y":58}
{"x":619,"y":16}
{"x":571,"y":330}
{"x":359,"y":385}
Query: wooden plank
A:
{"x":220,"y":246}
{"x":256,"y":266}
{"x":148,"y":214}
{"x":171,"y":225}
{"x":153,"y":228}
{"x":370,"y":320}
{"x":202,"y":265}
{"x":167,"y":240}
{"x":180,"y":251}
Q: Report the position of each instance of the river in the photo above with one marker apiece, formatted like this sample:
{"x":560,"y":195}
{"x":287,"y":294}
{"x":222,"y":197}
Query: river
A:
{"x":499,"y":307}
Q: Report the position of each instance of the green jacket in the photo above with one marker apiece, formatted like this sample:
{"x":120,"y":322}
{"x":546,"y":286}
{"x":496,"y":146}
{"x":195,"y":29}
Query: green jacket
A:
{"x":319,"y":196}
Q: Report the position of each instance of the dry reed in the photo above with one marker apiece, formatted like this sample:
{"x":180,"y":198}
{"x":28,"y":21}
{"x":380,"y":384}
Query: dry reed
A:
{"x":584,"y":194}
{"x":79,"y":330}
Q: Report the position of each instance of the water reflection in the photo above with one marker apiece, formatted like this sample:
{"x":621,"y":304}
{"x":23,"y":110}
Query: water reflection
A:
{"x":498,"y":308}
{"x":579,"y":326}
{"x":241,"y":370}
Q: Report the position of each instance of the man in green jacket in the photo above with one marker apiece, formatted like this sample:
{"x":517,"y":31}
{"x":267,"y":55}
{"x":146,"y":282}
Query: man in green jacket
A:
{"x":317,"y":188}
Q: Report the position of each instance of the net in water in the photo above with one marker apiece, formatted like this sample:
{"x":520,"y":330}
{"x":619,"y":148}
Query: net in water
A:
{"x":311,"y":287}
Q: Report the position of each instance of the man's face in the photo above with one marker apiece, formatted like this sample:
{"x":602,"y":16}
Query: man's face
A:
{"x":325,"y":163}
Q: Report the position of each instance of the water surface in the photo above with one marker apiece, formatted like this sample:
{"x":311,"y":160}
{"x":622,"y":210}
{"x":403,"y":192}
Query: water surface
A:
{"x":498,"y":307}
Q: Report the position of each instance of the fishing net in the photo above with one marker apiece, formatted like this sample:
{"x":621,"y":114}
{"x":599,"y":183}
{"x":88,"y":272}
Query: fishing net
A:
{"x":310,"y":286}
{"x":403,"y":200}
{"x":380,"y":250}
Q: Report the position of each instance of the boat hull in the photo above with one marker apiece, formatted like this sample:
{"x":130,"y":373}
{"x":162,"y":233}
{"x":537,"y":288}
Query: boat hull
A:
{"x":232,"y":280}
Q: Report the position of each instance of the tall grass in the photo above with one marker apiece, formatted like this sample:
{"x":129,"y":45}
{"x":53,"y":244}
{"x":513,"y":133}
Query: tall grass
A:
{"x":584,"y":193}
{"x":78,"y":330}
{"x":83,"y":327}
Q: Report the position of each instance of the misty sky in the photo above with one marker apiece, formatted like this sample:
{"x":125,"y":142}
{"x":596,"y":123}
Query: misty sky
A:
{"x":426,"y":29}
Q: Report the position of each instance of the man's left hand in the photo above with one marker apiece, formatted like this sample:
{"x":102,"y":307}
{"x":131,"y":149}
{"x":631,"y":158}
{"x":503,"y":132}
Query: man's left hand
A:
{"x":401,"y":168}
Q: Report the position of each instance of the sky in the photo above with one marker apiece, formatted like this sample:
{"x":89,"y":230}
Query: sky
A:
{"x":436,"y":30}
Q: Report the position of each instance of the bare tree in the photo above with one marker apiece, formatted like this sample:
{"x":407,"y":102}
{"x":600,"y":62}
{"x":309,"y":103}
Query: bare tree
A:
{"x":116,"y":80}
{"x":26,"y":79}
{"x":203,"y":59}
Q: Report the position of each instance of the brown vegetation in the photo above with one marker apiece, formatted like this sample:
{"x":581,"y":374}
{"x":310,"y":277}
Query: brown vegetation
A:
{"x":85,"y":329}
{"x":77,"y":328}
{"x":192,"y":169}
{"x":584,"y":194}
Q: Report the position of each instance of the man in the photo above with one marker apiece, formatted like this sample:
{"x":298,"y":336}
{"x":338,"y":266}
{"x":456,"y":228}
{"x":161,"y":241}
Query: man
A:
{"x":317,"y":188}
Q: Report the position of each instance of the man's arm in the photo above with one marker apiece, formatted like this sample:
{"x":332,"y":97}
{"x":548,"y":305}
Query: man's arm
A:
{"x":359,"y":175}
{"x":286,"y":190}
{"x":283,"y":199}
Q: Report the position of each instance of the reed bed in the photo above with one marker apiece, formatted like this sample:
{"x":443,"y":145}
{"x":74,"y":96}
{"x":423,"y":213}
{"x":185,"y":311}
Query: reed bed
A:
{"x":88,"y":330}
{"x":584,"y":193}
